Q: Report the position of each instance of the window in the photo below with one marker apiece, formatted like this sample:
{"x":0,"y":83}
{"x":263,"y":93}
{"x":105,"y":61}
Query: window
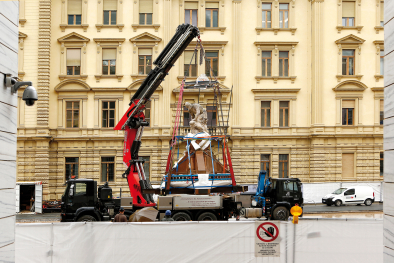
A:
{"x":381,"y":62}
{"x":80,"y":189}
{"x":211,"y":114}
{"x":348,"y":13}
{"x":265,"y":162}
{"x":74,"y":12}
{"x":381,"y":164}
{"x":186,"y":117}
{"x":109,"y":61}
{"x":144,"y":61}
{"x":108,"y":114}
{"x":147,"y":112}
{"x":348,"y":112}
{"x":348,"y":62}
{"x":73,"y":62}
{"x":107,"y":169}
{"x":348,"y":164}
{"x":283,"y":114}
{"x":266,"y":57}
{"x":290,"y":187}
{"x":190,"y":67}
{"x":72,"y":114}
{"x":283,"y":15}
{"x":265,"y":114}
{"x":266,"y":8}
{"x":211,"y":63}
{"x":110,"y":7}
{"x":283,"y":63}
{"x":191,"y":9}
{"x":72,"y":168}
{"x":211,"y":14}
{"x":381,"y":13}
{"x":349,"y":192}
{"x":381,"y":112}
{"x":283,"y":166}
{"x":146,"y":166}
{"x":146,"y":12}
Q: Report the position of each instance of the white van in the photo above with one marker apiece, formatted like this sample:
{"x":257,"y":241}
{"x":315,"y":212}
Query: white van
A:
{"x":350,"y":195}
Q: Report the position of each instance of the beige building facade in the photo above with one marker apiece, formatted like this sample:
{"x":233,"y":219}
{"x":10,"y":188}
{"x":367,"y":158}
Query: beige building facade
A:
{"x":302,"y":79}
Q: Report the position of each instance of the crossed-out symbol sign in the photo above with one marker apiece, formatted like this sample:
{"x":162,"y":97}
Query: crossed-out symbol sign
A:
{"x":270,"y":232}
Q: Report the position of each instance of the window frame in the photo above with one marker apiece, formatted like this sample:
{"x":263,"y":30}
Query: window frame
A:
{"x":211,"y":11}
{"x":108,"y":109}
{"x":284,"y":11}
{"x":265,"y":109}
{"x":381,"y":163}
{"x":283,"y":109}
{"x":266,"y":62}
{"x":74,"y":67}
{"x":108,"y":163}
{"x":266,"y":16}
{"x":145,"y":19}
{"x":74,"y":19}
{"x":210,"y":59}
{"x":214,"y":109}
{"x":188,"y":72}
{"x":71,"y":168}
{"x":381,"y":69}
{"x":148,"y":117}
{"x":72,"y":113}
{"x":347,"y":62}
{"x":281,"y":163}
{"x":264,"y":163}
{"x":191,"y":16}
{"x":110,"y":17}
{"x":109,"y":63}
{"x":146,"y":161}
{"x":145,"y":66}
{"x":283,"y":60}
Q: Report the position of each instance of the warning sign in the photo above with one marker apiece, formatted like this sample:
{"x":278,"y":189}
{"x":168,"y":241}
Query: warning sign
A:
{"x":267,"y":243}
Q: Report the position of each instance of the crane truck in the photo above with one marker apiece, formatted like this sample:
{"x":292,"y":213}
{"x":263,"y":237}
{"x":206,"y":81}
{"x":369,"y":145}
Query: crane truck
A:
{"x":83,"y":202}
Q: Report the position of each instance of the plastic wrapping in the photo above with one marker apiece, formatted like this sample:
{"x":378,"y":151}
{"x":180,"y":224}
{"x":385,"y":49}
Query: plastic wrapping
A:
{"x":320,"y":241}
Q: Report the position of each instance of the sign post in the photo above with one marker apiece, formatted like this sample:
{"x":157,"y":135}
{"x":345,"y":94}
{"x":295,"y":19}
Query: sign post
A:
{"x":267,"y":243}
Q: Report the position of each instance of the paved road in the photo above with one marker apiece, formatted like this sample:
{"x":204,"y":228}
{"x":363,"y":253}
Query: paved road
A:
{"x":309,"y":209}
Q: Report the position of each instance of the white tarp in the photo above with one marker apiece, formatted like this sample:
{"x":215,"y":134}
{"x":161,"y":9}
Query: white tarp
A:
{"x":320,"y":241}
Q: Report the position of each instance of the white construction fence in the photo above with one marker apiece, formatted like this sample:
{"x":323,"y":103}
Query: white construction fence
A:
{"x":358,"y":241}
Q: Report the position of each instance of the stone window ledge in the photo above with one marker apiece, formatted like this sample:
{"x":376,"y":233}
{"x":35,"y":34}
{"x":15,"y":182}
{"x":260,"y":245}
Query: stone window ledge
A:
{"x":358,"y":28}
{"x":377,"y":77}
{"x":64,"y":26}
{"x":275,"y":78}
{"x":98,"y":77}
{"x":378,"y":28}
{"x":221,"y":29}
{"x":340,"y":77}
{"x":62,"y":77}
{"x":100,"y":26}
{"x":136,"y":26}
{"x":275,"y":30}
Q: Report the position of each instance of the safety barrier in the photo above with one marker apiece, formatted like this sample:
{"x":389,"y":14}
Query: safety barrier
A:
{"x":322,"y":240}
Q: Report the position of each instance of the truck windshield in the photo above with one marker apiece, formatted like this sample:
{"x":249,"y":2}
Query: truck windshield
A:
{"x":339,"y":191}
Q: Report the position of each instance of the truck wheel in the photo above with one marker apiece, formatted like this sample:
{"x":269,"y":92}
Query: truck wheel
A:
{"x":86,"y":218}
{"x":280,"y":213}
{"x":338,"y":202}
{"x":181,"y":216}
{"x":207,"y":216}
{"x":368,"y":202}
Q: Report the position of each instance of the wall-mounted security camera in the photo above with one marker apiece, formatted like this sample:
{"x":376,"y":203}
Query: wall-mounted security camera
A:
{"x":30,"y":93}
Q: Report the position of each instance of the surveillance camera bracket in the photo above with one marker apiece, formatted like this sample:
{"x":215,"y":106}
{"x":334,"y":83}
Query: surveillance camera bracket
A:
{"x":11,"y":82}
{"x":17,"y":85}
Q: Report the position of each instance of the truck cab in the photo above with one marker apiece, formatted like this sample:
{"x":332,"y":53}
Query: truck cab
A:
{"x":80,"y":201}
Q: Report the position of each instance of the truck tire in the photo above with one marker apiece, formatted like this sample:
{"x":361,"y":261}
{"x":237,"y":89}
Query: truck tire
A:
{"x":338,"y":202}
{"x":280,"y":213}
{"x":207,"y":216}
{"x":86,"y":218}
{"x":181,"y":216}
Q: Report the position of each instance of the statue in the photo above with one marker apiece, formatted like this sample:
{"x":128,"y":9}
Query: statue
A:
{"x":199,"y":118}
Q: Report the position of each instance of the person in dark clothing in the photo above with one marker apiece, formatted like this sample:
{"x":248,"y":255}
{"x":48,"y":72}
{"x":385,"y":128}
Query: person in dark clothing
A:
{"x":120,"y":217}
{"x":167,"y":216}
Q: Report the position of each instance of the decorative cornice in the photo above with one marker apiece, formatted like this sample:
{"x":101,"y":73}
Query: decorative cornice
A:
{"x":136,"y":84}
{"x":138,"y":38}
{"x":22,"y":35}
{"x":111,"y":40}
{"x":67,"y":37}
{"x":275,"y":90}
{"x":84,"y":86}
{"x":358,"y":86}
{"x":275,"y":43}
{"x":349,"y":40}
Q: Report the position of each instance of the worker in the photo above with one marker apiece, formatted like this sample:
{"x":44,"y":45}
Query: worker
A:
{"x":120,"y":217}
{"x":167,"y":216}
